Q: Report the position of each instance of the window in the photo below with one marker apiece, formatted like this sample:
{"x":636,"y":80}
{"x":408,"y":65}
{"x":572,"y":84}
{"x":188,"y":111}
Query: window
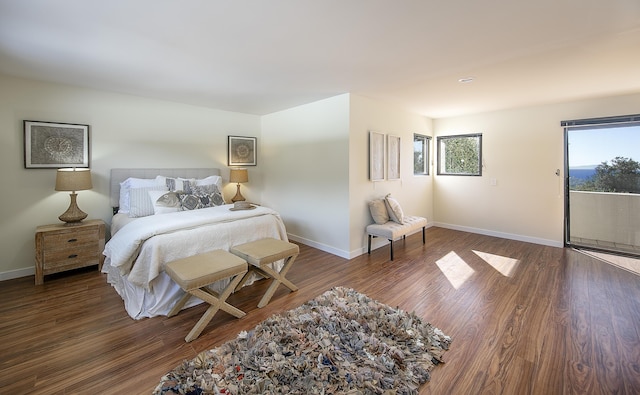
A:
{"x":602,"y":183}
{"x":421,"y":154}
{"x":460,"y":155}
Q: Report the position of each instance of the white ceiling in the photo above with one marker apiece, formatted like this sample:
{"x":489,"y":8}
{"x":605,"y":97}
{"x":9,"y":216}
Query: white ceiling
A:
{"x":261,"y":56}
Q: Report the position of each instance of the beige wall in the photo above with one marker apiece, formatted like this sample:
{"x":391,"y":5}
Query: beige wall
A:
{"x":413,"y":192}
{"x":306,"y":172}
{"x":312,"y":163}
{"x":126,"y":131}
{"x":522,"y":149}
{"x":316,"y":173}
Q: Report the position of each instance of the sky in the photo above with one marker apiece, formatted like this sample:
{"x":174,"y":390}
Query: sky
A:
{"x":594,"y":146}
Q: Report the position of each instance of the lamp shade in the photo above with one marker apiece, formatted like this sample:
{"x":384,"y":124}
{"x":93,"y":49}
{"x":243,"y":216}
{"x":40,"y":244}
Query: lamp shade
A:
{"x":239,"y":175}
{"x":73,"y":179}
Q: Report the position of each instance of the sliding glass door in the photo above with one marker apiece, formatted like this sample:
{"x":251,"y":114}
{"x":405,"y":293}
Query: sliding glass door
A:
{"x":602,"y":186}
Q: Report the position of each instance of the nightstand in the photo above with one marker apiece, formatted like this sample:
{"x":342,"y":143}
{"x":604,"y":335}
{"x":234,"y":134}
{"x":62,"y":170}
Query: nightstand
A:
{"x":62,"y":247}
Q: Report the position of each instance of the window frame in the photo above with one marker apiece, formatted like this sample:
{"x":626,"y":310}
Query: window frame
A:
{"x":440,"y":158}
{"x":426,"y":148}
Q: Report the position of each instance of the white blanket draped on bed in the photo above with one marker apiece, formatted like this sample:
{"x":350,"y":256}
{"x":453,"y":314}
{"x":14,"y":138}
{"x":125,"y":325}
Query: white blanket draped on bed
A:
{"x":137,"y":253}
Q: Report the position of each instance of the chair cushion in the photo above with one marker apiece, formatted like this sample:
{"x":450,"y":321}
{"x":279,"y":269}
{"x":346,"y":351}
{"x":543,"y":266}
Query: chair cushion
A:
{"x":203,"y":269}
{"x":393,"y":230}
{"x":265,"y":251}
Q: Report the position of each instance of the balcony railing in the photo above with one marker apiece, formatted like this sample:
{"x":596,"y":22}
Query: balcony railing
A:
{"x":605,"y":220}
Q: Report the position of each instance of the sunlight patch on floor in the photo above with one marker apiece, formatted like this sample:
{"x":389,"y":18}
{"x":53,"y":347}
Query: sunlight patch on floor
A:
{"x":505,"y":265}
{"x":455,"y":269}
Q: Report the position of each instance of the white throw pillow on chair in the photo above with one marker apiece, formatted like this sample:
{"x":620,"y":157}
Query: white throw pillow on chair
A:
{"x":395,"y":211}
{"x":379,"y":211}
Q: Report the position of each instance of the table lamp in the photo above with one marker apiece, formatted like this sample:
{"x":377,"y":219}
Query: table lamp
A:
{"x":73,"y":180}
{"x":238,"y":176}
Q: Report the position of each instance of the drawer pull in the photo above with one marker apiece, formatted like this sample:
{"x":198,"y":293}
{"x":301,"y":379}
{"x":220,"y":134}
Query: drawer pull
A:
{"x":72,"y":240}
{"x":73,"y":256}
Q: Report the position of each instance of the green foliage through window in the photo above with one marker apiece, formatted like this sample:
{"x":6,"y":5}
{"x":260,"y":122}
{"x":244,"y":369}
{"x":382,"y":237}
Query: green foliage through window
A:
{"x":460,"y":155}
{"x":621,"y":175}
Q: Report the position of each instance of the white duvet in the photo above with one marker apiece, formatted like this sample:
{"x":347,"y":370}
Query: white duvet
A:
{"x":137,"y":253}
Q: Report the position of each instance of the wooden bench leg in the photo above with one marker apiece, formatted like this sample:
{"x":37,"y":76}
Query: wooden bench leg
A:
{"x":179,"y":304}
{"x":244,"y":279}
{"x":277,"y":279}
{"x":217,"y":302}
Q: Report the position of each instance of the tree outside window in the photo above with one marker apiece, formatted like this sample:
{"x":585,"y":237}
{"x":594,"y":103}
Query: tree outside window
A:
{"x":460,"y":155}
{"x":619,"y":175}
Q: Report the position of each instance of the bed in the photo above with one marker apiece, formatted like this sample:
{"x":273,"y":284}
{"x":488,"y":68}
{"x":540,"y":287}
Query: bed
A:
{"x":150,"y":228}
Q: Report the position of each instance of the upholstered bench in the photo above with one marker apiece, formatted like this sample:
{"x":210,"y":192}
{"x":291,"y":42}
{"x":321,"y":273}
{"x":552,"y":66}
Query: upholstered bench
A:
{"x":259,"y":254}
{"x":195,"y":273}
{"x":391,"y":230}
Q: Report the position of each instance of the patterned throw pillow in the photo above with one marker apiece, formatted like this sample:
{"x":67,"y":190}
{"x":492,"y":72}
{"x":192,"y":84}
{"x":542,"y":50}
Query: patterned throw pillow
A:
{"x":200,"y":197}
{"x":179,"y":184}
{"x":164,"y":202}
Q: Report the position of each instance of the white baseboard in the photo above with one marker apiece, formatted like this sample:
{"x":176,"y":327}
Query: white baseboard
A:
{"x":30,"y":271}
{"x":510,"y":236}
{"x":10,"y":275}
{"x":320,"y":246}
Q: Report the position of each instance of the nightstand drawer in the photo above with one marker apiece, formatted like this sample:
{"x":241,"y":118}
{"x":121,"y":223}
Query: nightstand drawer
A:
{"x":77,"y":257}
{"x":64,"y":240}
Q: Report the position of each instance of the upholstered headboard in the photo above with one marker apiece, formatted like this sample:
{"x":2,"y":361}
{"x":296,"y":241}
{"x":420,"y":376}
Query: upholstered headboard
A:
{"x":119,"y":175}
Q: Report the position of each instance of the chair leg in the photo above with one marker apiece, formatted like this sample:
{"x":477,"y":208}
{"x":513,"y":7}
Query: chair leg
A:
{"x":423,"y":234}
{"x":369,"y":249}
{"x":391,"y":247}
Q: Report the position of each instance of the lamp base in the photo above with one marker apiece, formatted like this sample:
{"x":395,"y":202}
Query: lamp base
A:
{"x":73,"y":213}
{"x":238,"y":197}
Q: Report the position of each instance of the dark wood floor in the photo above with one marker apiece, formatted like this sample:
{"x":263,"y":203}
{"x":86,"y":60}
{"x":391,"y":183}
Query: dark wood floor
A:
{"x":524,"y":318}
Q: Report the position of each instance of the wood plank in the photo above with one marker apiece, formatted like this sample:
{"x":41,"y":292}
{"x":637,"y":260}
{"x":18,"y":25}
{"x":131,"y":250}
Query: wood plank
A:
{"x":557,"y":322}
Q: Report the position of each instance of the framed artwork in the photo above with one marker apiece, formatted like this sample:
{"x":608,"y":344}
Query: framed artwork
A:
{"x":241,"y":151}
{"x":55,"y":145}
{"x":393,"y":149}
{"x":376,"y":156}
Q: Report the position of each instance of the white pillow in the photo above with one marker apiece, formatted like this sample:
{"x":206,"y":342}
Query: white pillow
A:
{"x":140,"y":202}
{"x":164,"y":202}
{"x":125,"y":188}
{"x":395,"y":211}
{"x":378,"y":210}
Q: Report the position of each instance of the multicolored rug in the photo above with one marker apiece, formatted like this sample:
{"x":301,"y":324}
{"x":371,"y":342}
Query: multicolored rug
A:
{"x":340,"y":342}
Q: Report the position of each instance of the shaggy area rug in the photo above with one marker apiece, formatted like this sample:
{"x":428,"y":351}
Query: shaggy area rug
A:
{"x":341,"y":342}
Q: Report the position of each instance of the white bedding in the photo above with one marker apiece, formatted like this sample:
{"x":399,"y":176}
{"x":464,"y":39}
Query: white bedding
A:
{"x":138,"y":251}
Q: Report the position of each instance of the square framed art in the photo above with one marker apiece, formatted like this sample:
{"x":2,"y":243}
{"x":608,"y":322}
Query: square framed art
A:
{"x":55,"y":145}
{"x":242,"y":151}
